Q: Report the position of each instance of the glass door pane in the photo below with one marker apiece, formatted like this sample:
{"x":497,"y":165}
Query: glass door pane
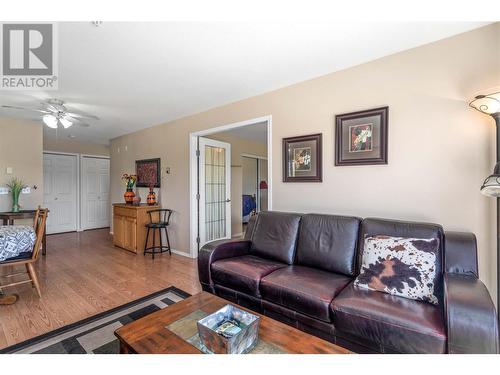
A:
{"x":215,"y":193}
{"x":214,"y":188}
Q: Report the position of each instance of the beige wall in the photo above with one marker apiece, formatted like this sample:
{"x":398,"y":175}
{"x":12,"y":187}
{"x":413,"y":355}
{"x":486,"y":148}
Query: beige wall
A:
{"x":21,"y":149}
{"x":72,"y":146}
{"x":439,"y":149}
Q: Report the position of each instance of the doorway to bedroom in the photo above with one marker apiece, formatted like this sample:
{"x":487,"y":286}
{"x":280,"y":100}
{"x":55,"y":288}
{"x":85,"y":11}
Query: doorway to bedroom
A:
{"x":230,"y":179}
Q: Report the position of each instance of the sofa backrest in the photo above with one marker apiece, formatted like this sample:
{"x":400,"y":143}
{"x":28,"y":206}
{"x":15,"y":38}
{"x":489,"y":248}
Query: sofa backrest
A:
{"x":328,"y":242}
{"x":396,"y":228}
{"x":250,"y":228}
{"x":274,"y":236}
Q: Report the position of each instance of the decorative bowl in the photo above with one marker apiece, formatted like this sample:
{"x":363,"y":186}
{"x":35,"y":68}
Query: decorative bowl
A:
{"x":229,"y":330}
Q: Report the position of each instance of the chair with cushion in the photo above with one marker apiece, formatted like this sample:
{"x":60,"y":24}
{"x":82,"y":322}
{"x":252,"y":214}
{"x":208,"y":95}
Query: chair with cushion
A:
{"x":27,"y":259}
{"x":158,"y":219}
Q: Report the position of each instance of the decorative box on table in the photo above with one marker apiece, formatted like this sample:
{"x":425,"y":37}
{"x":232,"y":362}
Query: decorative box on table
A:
{"x":229,"y":330}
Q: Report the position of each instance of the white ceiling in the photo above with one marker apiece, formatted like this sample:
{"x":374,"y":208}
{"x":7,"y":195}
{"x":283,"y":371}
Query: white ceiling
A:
{"x":135,"y":75}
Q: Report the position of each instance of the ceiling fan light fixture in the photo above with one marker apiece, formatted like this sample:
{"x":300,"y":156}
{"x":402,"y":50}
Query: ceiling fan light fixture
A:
{"x":65,"y":122}
{"x":50,"y":121}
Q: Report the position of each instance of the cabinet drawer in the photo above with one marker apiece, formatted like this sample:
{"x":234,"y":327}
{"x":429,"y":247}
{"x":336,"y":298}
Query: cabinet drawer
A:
{"x":122,"y":211}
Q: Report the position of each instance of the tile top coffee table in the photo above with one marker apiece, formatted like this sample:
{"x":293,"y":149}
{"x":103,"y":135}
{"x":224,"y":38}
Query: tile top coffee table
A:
{"x":173,"y":331}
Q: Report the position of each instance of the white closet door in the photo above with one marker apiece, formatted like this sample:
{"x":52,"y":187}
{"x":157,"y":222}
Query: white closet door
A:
{"x":95,"y":193}
{"x":60,"y":192}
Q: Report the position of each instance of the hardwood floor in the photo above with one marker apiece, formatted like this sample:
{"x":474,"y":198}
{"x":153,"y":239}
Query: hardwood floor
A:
{"x":84,"y":274}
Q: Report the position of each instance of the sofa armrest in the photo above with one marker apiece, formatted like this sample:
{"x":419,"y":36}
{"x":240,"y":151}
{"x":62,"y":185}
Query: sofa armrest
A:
{"x":460,"y":253}
{"x":214,"y":251}
{"x":470,"y":315}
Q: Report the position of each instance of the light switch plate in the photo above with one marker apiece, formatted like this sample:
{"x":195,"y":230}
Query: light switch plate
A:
{"x":9,"y":170}
{"x":4,"y":190}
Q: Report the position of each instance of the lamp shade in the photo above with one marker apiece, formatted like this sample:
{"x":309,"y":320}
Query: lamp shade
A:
{"x":489,"y":104}
{"x":50,"y":121}
{"x":65,"y":122}
{"x":491,"y":185}
{"x":263,"y":185}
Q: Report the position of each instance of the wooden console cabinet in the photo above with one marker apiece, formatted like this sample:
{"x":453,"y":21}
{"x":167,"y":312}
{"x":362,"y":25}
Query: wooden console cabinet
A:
{"x":129,"y":231}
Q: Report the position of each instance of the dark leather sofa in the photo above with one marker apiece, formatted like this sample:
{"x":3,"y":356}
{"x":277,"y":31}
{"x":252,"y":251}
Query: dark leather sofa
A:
{"x":299,"y":269}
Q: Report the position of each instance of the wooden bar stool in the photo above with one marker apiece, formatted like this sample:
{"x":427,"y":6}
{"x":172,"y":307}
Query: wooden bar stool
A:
{"x":158,"y":219}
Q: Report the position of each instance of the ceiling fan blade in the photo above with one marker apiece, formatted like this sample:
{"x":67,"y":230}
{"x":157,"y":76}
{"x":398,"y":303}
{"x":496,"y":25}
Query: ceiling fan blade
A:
{"x":79,"y":115}
{"x":76,"y":120}
{"x":51,"y":108}
{"x":25,"y":109}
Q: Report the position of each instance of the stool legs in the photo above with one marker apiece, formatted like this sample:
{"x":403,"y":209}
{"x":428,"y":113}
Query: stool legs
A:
{"x":154,"y":242}
{"x":168,"y":241}
{"x":161,"y":248}
{"x":146,"y":244}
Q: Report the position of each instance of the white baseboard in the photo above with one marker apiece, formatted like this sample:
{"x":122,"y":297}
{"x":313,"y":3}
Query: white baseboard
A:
{"x":182,"y":253}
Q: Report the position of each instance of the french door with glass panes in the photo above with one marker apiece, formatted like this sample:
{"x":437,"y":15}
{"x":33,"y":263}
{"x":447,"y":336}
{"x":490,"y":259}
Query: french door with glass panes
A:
{"x":214,"y":190}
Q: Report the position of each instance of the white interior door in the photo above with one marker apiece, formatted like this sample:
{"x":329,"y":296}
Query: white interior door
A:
{"x":95,"y":193}
{"x":214,"y":183}
{"x":60,"y":192}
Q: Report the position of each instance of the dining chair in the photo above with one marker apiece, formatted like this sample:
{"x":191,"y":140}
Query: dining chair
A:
{"x":39,"y":227}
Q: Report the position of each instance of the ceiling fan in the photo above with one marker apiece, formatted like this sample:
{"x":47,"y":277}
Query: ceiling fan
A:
{"x":55,"y":113}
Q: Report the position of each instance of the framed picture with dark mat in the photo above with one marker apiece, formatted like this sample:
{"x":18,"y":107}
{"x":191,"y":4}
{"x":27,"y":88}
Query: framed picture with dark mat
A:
{"x":148,"y":172}
{"x":302,"y":158}
{"x":361,"y":137}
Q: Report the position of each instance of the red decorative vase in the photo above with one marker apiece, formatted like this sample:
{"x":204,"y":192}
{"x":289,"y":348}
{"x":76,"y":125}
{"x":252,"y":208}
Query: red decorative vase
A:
{"x":151,"y":199}
{"x":129,"y":196}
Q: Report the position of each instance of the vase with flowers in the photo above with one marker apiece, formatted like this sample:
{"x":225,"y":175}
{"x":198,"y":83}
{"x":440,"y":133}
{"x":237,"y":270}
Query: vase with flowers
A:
{"x":129,"y":181}
{"x":16,"y":185}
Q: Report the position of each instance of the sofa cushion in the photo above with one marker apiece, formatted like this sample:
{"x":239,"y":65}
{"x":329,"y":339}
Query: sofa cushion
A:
{"x":306,"y":290}
{"x":328,"y":242}
{"x":274,"y":236}
{"x":396,"y":228}
{"x":243,"y":273}
{"x":391,"y":323}
{"x":405,"y":267}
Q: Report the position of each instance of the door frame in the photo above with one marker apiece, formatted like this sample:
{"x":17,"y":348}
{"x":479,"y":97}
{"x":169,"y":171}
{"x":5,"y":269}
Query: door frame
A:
{"x":193,"y":171}
{"x":78,"y":180}
{"x":81,"y":226}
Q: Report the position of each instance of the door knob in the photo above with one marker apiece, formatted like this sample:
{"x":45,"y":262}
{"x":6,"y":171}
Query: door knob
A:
{"x":228,"y":200}
{"x":55,"y":198}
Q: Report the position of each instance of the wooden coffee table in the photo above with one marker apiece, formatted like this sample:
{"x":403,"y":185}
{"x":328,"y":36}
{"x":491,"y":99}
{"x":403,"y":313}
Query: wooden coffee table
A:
{"x":171,"y":331}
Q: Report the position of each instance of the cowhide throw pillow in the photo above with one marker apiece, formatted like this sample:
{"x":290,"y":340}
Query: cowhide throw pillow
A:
{"x":404,"y":267}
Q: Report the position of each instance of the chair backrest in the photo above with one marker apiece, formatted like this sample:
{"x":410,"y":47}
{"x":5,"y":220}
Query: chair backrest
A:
{"x":160,"y":215}
{"x":39,"y":226}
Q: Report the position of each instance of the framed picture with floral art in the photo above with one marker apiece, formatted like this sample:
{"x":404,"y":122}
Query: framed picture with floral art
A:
{"x":148,"y":172}
{"x":361,"y":137}
{"x":302,"y":159}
